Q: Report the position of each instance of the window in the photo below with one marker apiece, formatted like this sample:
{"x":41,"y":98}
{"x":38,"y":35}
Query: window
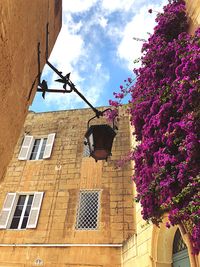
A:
{"x":86,"y":150}
{"x":88,"y":210}
{"x":38,"y":149}
{"x":178,"y":244}
{"x":180,"y":255}
{"x":21,"y":211}
{"x":34,"y":149}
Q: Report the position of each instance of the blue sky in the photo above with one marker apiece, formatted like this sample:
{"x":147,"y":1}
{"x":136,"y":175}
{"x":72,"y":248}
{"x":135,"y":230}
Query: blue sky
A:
{"x":96,"y":45}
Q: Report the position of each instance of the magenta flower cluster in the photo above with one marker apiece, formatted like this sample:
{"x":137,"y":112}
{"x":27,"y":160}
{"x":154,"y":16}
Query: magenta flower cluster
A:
{"x":165,"y":113}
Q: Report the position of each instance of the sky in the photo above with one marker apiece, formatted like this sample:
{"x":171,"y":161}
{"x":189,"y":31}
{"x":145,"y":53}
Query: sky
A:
{"x":96,"y":45}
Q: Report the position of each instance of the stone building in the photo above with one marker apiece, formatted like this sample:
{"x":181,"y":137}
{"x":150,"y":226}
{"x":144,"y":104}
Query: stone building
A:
{"x":60,"y":207}
{"x":22,"y":27}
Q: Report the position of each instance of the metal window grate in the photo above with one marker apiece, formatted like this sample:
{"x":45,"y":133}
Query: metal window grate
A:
{"x":86,"y":150}
{"x":88,"y":210}
{"x":178,"y":244}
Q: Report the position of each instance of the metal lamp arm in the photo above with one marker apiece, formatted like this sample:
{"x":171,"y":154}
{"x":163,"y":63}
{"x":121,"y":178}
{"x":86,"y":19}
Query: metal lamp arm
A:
{"x":68,"y":82}
{"x":101,"y":114}
{"x":43,"y":87}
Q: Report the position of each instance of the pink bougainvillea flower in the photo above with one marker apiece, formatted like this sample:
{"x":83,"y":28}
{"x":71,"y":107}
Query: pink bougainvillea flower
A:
{"x":164,"y":110}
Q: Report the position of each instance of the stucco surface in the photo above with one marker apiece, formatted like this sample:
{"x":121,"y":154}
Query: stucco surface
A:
{"x":22,"y":26}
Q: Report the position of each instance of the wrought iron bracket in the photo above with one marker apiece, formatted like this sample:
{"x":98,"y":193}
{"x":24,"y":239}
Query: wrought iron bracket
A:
{"x":102,"y":112}
{"x":68,"y":85}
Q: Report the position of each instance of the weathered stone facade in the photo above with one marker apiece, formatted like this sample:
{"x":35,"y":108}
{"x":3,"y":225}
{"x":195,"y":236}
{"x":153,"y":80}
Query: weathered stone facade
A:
{"x":22,"y":26}
{"x":61,"y":177}
{"x":122,"y":237}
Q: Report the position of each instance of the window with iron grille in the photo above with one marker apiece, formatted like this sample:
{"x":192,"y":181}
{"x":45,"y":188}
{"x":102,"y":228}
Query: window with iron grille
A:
{"x":88,"y":210}
{"x":178,"y":244}
{"x":86,"y":150}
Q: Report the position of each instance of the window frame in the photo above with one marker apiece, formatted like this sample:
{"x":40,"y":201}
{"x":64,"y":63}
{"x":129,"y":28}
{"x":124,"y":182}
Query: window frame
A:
{"x":23,"y":212}
{"x":42,"y":140}
{"x":10,"y":208}
{"x":178,"y":243}
{"x":27,"y":146}
{"x":77,"y":228}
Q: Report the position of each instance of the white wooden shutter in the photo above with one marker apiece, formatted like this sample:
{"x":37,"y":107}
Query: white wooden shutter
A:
{"x":35,"y":210}
{"x":49,"y":146}
{"x":26,"y":148}
{"x":7,"y":209}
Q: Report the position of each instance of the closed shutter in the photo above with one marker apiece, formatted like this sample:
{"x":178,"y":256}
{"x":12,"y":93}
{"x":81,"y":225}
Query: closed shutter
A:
{"x":7,"y":209}
{"x":35,"y":210}
{"x":49,"y":146}
{"x":26,"y":148}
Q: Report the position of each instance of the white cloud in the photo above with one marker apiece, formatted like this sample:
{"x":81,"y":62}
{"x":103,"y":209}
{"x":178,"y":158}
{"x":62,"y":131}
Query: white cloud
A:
{"x":98,"y":66}
{"x":72,"y":54}
{"x":66,"y":53}
{"x":92,"y":93}
{"x":115,"y":5}
{"x":87,"y":40}
{"x":103,"y":22}
{"x":138,"y":27}
{"x":68,"y":48}
{"x":95,"y":91}
{"x":73,"y":27}
{"x":63,"y":101}
{"x":77,"y":5}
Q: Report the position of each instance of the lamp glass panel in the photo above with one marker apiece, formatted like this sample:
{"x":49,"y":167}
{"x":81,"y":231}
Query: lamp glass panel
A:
{"x":91,"y":142}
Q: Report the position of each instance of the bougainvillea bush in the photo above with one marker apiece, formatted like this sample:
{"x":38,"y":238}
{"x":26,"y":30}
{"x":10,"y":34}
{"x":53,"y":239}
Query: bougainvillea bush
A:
{"x":165,"y":113}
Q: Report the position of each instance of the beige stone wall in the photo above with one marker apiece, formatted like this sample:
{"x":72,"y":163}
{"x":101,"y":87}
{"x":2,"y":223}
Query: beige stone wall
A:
{"x":61,"y":177}
{"x":62,"y":257}
{"x":137,"y":250}
{"x":152,"y":246}
{"x":193,"y":10}
{"x":22,"y":26}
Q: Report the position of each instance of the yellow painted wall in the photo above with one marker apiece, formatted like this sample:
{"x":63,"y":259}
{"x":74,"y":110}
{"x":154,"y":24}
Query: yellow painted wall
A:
{"x":22,"y":26}
{"x":62,"y":257}
{"x":193,"y":11}
{"x":152,"y":246}
{"x":136,"y":251}
{"x":61,"y":178}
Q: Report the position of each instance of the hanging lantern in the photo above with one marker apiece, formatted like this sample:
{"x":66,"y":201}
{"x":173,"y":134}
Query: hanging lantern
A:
{"x":100,"y":139}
